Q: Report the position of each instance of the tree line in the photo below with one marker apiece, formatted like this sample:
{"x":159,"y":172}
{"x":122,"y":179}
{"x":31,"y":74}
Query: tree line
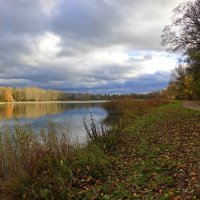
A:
{"x":29,"y":94}
{"x":183,"y":35}
{"x":8,"y":94}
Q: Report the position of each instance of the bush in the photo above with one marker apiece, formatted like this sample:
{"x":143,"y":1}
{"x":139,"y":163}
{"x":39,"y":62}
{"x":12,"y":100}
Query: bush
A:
{"x":91,"y":161}
{"x":127,"y":106}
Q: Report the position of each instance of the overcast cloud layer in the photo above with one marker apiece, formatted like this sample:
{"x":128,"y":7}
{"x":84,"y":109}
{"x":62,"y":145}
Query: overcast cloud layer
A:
{"x":104,"y":46}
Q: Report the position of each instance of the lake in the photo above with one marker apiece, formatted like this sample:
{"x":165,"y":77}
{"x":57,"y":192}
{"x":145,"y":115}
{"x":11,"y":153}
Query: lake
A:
{"x":69,"y":114}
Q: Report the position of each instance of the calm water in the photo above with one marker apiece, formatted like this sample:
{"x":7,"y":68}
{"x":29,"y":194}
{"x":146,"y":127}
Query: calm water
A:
{"x":66,"y":113}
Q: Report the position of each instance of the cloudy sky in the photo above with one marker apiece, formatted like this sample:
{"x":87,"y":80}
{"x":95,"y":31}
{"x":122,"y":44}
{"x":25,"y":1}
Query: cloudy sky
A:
{"x":101,"y":46}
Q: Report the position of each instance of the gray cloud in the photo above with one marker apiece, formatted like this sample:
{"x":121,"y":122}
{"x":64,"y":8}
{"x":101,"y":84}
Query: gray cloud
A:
{"x":71,"y":44}
{"x":21,"y":17}
{"x":137,"y":24}
{"x":141,"y":84}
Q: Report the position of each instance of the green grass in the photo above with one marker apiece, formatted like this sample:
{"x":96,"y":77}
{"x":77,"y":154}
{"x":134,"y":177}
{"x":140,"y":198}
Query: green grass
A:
{"x":157,"y":157}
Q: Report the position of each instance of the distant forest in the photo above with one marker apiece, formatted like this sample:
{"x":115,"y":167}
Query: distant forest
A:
{"x":8,"y":94}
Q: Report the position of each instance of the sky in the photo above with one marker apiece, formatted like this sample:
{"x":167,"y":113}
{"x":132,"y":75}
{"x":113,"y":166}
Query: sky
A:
{"x":97,"y":46}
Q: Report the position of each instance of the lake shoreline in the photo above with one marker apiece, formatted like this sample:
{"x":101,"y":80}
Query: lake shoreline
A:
{"x":62,"y":113}
{"x":43,"y":102}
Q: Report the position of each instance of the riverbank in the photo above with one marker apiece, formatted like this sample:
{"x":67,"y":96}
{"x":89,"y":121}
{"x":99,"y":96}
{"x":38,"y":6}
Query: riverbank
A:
{"x":152,"y":154}
{"x":157,"y":156}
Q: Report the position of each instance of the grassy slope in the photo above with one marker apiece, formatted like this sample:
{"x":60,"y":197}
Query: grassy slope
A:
{"x":158,"y":158}
{"x":155,"y":155}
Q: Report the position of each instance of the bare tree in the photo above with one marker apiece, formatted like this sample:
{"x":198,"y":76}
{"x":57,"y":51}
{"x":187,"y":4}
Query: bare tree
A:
{"x":184,"y":32}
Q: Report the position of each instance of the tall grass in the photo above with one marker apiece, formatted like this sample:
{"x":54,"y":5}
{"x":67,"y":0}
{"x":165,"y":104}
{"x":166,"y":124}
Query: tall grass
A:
{"x":120,"y":110}
{"x":93,"y":131}
{"x":46,"y":165}
{"x":21,"y":148}
{"x":122,"y":107}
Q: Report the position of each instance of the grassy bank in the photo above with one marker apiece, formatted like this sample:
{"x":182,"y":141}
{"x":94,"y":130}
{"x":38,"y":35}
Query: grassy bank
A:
{"x":153,"y":153}
{"x":159,"y":156}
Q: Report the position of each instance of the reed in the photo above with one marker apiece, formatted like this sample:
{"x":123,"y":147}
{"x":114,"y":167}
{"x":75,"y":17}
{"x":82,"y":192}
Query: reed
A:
{"x":127,"y":106}
{"x":21,"y":148}
{"x":47,"y":164}
{"x":93,"y":131}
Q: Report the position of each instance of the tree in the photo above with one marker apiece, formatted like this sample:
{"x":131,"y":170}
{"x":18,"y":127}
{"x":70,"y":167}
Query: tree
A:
{"x":193,"y":62}
{"x":184,"y":31}
{"x":180,"y":85}
{"x":8,"y":95}
{"x":184,"y":34}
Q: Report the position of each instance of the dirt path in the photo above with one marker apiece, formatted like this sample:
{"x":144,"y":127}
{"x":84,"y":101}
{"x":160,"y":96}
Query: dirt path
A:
{"x":192,"y":105}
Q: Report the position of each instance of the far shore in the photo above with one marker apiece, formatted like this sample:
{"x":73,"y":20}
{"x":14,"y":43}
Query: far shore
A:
{"x":33,"y":102}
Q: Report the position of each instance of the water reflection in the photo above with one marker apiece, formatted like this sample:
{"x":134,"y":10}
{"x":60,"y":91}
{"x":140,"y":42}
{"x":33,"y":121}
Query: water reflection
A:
{"x":35,"y":110}
{"x":38,"y":114}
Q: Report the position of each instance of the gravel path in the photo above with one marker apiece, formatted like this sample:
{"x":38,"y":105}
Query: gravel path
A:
{"x":192,"y":105}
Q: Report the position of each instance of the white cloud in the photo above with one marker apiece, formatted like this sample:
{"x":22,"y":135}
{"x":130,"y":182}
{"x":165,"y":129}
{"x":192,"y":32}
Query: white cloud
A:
{"x":43,"y":49}
{"x":159,"y":62}
{"x":48,"y":44}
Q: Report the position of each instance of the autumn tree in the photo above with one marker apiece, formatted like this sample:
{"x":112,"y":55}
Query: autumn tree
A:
{"x":38,"y":94}
{"x":180,"y":85}
{"x":8,"y":95}
{"x":184,"y":35}
{"x":193,"y":62}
